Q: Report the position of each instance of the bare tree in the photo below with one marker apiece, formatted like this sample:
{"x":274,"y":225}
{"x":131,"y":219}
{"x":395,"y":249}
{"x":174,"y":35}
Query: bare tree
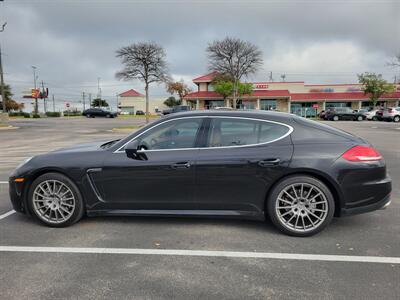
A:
{"x":144,"y":61}
{"x":235,"y":58}
{"x":395,"y":62}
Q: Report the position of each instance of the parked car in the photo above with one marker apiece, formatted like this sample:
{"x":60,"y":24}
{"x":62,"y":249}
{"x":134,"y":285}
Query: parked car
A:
{"x":140,"y":113}
{"x":99,"y":112}
{"x":389,"y":114}
{"x":175,"y":109}
{"x":343,"y":113}
{"x":371,"y":114}
{"x":321,"y":115}
{"x":239,"y":164}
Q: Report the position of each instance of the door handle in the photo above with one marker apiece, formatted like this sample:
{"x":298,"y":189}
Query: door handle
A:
{"x":269,"y":162}
{"x":181,"y":165}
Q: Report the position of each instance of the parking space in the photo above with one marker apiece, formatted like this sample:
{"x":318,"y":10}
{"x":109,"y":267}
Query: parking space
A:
{"x":143,"y":274}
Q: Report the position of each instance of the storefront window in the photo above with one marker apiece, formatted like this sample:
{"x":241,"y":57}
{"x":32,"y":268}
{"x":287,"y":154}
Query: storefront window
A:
{"x":246,"y":104}
{"x":304,"y":109}
{"x":268,"y":104}
{"x":210,"y":104}
{"x":338,"y":104}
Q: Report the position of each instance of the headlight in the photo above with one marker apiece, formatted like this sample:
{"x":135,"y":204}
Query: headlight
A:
{"x":24,"y":162}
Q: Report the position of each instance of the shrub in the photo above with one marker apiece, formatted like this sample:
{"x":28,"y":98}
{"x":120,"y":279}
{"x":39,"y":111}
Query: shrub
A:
{"x":18,"y":114}
{"x":26,"y":115}
{"x":68,"y":113}
{"x":53,"y":114}
{"x":35,"y":116}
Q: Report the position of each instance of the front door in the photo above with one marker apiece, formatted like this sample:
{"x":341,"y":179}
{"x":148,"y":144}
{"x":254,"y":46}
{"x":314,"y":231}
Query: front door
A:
{"x":164,"y":176}
{"x":242,"y":159}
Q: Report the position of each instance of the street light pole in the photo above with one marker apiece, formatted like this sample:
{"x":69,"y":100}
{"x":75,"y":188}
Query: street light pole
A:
{"x":3,"y":94}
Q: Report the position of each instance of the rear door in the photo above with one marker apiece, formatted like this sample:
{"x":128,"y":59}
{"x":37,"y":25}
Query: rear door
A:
{"x":241,"y":160}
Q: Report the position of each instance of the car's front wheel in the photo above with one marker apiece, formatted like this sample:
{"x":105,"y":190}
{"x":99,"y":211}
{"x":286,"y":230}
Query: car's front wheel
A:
{"x":300,"y":205}
{"x":335,"y":118}
{"x":55,"y":200}
{"x":360,"y":118}
{"x":396,"y":119}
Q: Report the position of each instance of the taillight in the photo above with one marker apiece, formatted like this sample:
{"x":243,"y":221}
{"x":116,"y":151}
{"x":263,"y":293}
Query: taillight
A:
{"x":362,"y":154}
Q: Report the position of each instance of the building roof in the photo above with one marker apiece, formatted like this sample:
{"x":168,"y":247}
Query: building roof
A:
{"x":131,"y":93}
{"x":338,"y":96}
{"x":206,"y":78}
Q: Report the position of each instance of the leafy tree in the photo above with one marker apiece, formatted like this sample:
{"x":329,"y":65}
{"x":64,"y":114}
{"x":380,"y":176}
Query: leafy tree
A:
{"x":395,"y":62}
{"x":172,"y":101}
{"x":144,"y":61}
{"x":179,"y":88}
{"x":7,"y":95}
{"x":97,"y":102}
{"x":14,"y":105}
{"x":234,"y":58}
{"x":374,"y":86}
{"x":225,"y":86}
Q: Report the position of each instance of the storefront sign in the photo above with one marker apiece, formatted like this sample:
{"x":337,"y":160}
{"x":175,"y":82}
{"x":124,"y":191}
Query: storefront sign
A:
{"x":315,"y":105}
{"x":261,"y":86}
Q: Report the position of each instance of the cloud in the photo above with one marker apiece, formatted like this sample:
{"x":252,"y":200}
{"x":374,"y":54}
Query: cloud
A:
{"x":72,"y":43}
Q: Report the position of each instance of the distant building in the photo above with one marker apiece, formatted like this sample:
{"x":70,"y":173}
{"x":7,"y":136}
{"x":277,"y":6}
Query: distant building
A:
{"x":131,"y":101}
{"x":295,"y":97}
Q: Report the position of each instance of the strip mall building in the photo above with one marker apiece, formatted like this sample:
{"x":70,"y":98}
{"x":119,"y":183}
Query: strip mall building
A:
{"x":295,"y":97}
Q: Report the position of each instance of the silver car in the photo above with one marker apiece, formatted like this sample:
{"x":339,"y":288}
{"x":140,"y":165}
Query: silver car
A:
{"x":391,"y":114}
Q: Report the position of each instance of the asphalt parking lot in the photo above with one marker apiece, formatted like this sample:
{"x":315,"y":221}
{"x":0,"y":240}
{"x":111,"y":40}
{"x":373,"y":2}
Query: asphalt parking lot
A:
{"x":140,"y":268}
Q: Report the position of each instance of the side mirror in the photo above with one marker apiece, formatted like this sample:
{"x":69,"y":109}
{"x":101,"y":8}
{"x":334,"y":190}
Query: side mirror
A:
{"x":131,"y":149}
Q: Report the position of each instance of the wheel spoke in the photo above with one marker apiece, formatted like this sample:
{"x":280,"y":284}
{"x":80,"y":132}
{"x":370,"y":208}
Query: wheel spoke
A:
{"x":285,"y":201}
{"x":291,"y":197}
{"x":294,"y":190}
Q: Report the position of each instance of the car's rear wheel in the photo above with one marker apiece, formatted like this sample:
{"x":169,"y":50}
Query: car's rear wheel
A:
{"x":335,"y":118}
{"x":300,"y":206}
{"x":88,"y":116}
{"x":396,"y":119}
{"x":359,"y":118}
{"x":374,"y":118}
{"x":55,"y":200}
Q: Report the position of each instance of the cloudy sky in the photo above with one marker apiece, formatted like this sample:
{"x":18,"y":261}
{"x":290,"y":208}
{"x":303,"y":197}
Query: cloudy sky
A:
{"x":72,"y":42}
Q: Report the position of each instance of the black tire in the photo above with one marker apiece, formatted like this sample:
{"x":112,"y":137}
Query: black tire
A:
{"x":374,"y":118}
{"x":360,"y":118}
{"x":78,"y":210}
{"x":298,"y":179}
{"x":88,"y":116}
{"x":396,"y":119}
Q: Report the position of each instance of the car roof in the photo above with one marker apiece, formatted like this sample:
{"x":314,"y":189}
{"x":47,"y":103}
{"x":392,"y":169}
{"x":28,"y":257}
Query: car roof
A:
{"x":258,"y":114}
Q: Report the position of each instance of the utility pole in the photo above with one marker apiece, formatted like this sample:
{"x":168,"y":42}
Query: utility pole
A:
{"x":44,"y":97}
{"x":3,"y":94}
{"x":83,"y":100}
{"x":98,"y":88}
{"x":271,"y":79}
{"x":36,"y":110}
{"x":54,"y":104}
{"x":90,"y":100}
{"x":117,"y":102}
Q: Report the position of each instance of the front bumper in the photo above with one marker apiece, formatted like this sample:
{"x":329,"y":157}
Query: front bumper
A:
{"x":16,"y":191}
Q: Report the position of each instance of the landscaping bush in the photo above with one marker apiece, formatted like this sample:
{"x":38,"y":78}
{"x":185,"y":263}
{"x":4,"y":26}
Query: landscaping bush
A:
{"x":68,"y":113}
{"x":18,"y":114}
{"x":53,"y":114}
{"x":26,"y":115}
{"x":35,"y":116}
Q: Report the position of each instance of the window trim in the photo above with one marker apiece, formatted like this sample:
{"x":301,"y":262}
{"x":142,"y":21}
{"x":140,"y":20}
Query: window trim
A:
{"x":203,"y":131}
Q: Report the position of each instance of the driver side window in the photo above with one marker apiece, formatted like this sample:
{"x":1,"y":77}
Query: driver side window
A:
{"x":176,"y":134}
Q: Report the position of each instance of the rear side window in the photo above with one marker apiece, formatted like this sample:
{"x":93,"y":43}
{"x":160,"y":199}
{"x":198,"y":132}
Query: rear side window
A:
{"x":228,"y":132}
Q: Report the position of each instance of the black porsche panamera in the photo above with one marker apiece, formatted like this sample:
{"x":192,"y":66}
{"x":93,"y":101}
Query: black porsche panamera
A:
{"x":243,"y":164}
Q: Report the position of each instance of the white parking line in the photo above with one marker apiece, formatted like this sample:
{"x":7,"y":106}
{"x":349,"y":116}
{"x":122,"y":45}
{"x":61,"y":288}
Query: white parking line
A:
{"x":3,"y":216}
{"x":3,"y":182}
{"x":205,"y":253}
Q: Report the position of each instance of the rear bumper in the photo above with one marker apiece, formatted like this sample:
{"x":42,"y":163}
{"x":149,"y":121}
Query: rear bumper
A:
{"x":382,"y":204}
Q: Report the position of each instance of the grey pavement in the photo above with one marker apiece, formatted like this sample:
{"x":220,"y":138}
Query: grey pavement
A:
{"x":119,"y":276}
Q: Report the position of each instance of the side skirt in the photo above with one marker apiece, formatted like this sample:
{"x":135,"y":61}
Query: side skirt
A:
{"x":180,"y":213}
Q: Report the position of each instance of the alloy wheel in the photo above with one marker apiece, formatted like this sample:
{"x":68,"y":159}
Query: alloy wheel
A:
{"x":301,"y":207}
{"x":53,"y":201}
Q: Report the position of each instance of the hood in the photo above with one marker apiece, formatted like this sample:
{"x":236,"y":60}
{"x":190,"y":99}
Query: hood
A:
{"x":82,"y":147}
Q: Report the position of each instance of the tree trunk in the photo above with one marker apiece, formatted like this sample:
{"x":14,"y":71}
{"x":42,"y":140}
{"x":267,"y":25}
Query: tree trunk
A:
{"x":147,"y":102}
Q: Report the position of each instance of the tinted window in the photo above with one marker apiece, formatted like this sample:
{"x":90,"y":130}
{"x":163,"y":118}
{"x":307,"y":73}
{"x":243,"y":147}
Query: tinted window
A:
{"x":238,"y":132}
{"x":171,"y":135}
